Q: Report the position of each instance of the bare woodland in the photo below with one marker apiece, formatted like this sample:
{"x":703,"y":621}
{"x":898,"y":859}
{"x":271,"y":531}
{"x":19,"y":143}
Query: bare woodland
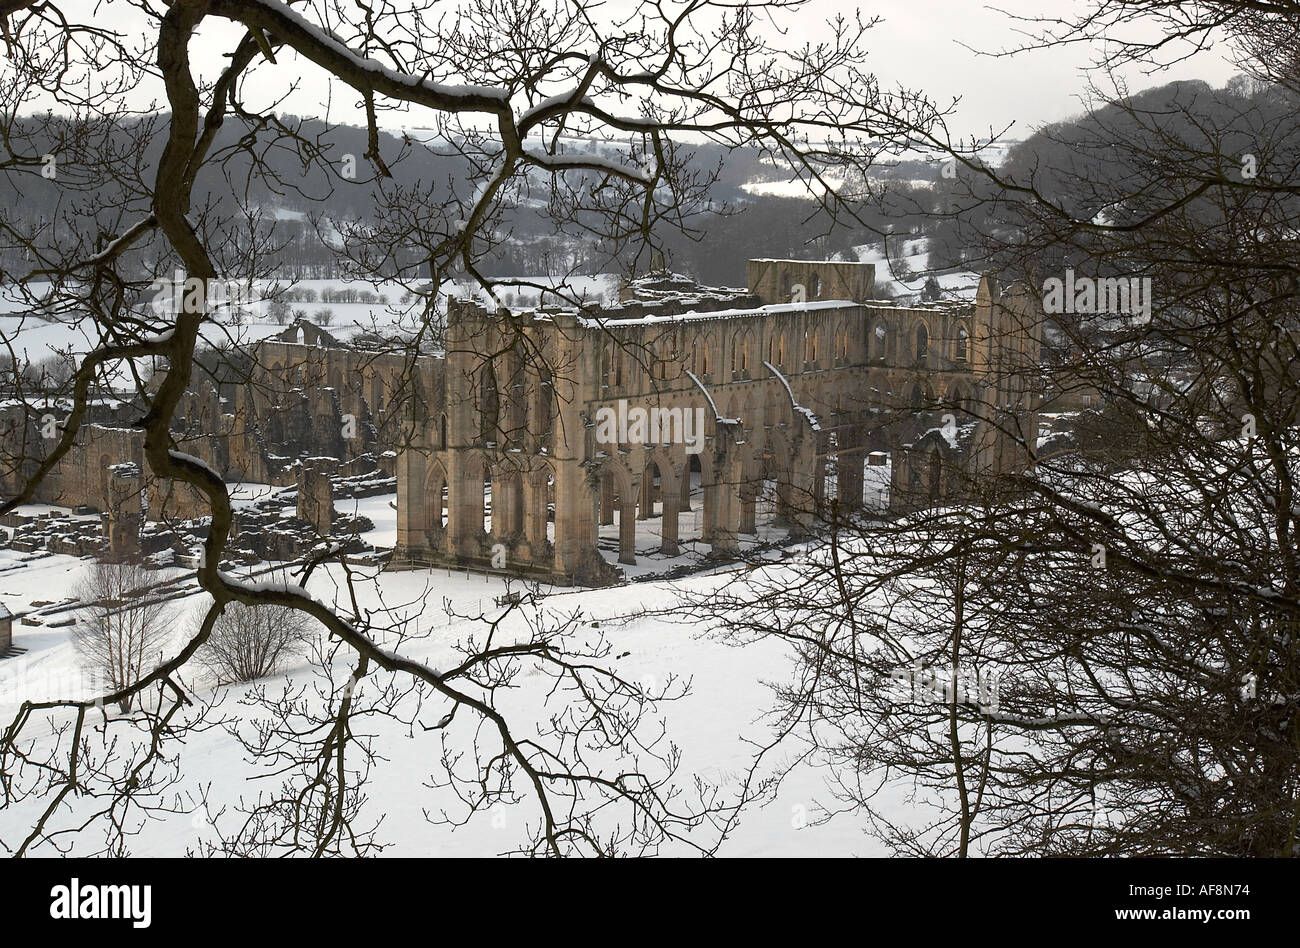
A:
{"x":1132,"y":597}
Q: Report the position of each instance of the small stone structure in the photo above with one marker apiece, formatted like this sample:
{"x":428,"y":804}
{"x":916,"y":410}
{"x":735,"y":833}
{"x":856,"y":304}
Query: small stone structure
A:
{"x":124,"y":514}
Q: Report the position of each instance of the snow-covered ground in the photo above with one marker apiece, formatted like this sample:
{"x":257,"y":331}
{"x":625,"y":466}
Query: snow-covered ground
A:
{"x":771,"y":184}
{"x":716,"y":726}
{"x":713,"y":726}
{"x":796,"y":188}
{"x":910,"y":281}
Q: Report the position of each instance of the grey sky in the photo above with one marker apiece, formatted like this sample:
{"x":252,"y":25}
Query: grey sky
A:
{"x":918,"y":45}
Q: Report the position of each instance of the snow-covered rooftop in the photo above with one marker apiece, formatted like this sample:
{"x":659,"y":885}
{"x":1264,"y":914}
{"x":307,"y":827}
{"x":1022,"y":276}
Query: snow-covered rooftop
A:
{"x":770,"y":309}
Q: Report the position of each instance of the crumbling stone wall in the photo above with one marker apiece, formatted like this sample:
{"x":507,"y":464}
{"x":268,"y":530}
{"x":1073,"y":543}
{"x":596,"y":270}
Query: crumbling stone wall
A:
{"x":309,"y":396}
{"x":790,"y":392}
{"x":774,"y":281}
{"x":494,"y":444}
{"x":315,"y":494}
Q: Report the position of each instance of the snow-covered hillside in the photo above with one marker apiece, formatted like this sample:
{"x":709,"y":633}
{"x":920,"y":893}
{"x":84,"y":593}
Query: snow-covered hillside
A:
{"x":395,"y":309}
{"x":907,"y":274}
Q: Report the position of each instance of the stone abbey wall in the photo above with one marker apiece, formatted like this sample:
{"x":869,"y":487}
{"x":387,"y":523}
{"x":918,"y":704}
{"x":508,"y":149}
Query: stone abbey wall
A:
{"x":307,"y":396}
{"x":788,"y":392}
{"x":501,"y":444}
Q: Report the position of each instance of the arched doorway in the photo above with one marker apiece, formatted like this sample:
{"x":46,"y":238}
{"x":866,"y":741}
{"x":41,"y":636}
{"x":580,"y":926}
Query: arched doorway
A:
{"x":618,"y":505}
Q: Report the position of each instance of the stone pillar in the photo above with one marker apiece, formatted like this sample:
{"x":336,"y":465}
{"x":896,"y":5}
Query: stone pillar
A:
{"x":726,"y":504}
{"x":465,"y":507}
{"x":748,"y":509}
{"x":668,"y":544}
{"x":709,"y":525}
{"x":315,"y":497}
{"x":850,"y":479}
{"x":515,"y":491}
{"x":124,"y":517}
{"x":413,"y":508}
{"x":496,"y":506}
{"x":467,"y":336}
{"x":685,"y":492}
{"x":805,"y":493}
{"x":647,"y":492}
{"x":627,"y":534}
{"x":606,"y":500}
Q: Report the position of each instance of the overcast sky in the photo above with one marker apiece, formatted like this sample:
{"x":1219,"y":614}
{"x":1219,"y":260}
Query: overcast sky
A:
{"x":918,"y":44}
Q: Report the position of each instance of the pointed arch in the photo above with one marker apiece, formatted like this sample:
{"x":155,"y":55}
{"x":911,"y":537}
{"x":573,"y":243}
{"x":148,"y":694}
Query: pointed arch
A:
{"x":879,"y":342}
{"x":437,"y":499}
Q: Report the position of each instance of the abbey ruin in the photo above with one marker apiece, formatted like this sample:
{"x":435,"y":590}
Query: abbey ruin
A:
{"x":777,"y":399}
{"x":795,"y":396}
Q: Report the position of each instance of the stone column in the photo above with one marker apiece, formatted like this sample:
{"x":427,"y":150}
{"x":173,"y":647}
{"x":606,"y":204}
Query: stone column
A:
{"x":748,"y":509}
{"x":805,"y":493}
{"x":606,"y":500}
{"x":709,"y":523}
{"x":535,"y":521}
{"x":511,"y":509}
{"x":668,"y":544}
{"x":627,"y":534}
{"x":647,"y":492}
{"x":850,"y":478}
{"x":464,"y":507}
{"x":726,"y":507}
{"x":315,"y":498}
{"x":412,"y":506}
{"x":818,"y":483}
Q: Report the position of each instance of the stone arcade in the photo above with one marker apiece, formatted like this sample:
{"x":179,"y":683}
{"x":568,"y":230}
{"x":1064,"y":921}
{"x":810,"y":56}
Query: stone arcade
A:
{"x":794,"y":396}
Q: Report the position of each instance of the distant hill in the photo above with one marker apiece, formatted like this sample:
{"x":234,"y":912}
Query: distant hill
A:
{"x":301,"y":213}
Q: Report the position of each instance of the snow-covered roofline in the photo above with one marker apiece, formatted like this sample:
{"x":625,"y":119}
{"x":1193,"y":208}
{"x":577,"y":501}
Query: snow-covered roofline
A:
{"x":820,"y":263}
{"x":768,"y":310}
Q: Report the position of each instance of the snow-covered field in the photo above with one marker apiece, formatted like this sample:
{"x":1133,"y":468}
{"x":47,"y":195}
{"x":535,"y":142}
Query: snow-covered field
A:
{"x":714,"y":726}
{"x":717,"y":725}
{"x":910,"y":281}
{"x":34,"y":339}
